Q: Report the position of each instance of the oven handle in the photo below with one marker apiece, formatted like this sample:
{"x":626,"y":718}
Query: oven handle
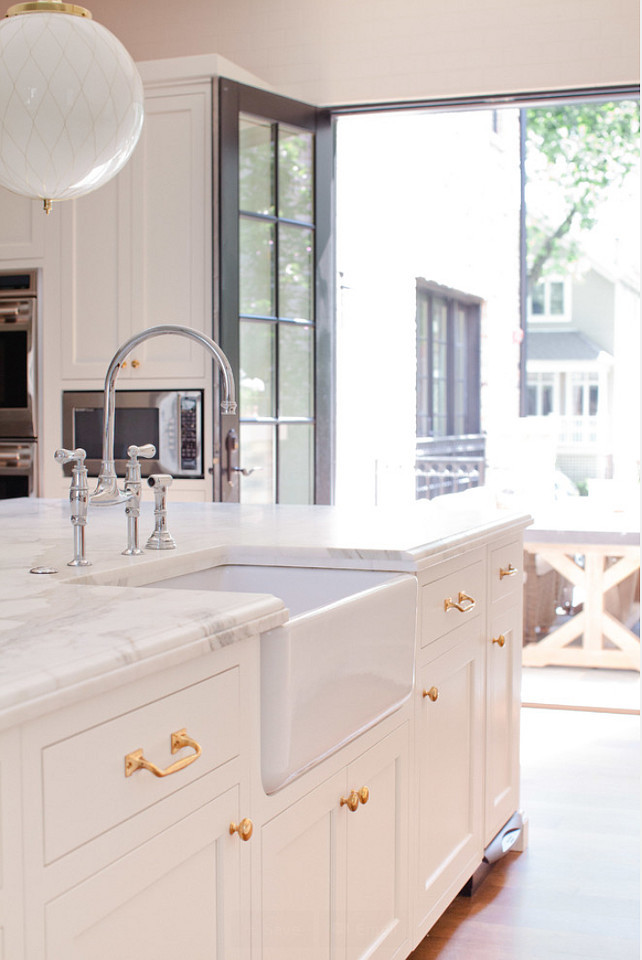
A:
{"x":14,"y":320}
{"x":13,"y":458}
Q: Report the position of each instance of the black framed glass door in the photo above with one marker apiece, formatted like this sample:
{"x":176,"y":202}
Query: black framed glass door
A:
{"x":275,"y":295}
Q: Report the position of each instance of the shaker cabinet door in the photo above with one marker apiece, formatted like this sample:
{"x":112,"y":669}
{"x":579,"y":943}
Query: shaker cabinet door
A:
{"x":179,"y":895}
{"x":138,"y":250}
{"x":377,"y":851}
{"x":22,"y":228}
{"x":449,"y":745}
{"x":503,"y":680}
{"x":334,"y":877}
{"x":301,"y":880}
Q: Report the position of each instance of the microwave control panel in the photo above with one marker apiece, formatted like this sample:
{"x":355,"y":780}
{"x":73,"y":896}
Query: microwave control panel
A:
{"x":190,"y":416}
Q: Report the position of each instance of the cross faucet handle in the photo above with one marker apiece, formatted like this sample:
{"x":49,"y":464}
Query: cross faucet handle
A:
{"x":148,"y":450}
{"x":132,"y":469}
{"x":66,"y":456}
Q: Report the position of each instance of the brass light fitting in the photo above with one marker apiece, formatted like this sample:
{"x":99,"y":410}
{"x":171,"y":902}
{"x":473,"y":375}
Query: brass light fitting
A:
{"x":48,"y":6}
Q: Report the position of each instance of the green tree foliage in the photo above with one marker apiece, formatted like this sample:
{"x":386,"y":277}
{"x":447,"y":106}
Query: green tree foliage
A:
{"x":581,"y":151}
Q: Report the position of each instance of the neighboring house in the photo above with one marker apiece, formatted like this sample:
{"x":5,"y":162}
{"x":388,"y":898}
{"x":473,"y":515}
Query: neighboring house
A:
{"x":582,"y":345}
{"x":451,"y":450}
{"x":428,"y":214}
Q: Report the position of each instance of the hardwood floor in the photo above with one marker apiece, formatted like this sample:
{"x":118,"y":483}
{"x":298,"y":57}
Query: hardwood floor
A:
{"x":574,"y":894}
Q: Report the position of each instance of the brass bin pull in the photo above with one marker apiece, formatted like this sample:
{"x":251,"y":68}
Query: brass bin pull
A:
{"x":136,"y":761}
{"x":510,"y":571}
{"x":356,"y":797}
{"x":432,"y":694}
{"x":244,"y":828}
{"x":464,"y":603}
{"x":500,"y":640}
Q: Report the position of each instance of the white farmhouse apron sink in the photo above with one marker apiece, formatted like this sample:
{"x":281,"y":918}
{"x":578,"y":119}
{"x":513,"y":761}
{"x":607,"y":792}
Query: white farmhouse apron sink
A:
{"x":342,"y":662}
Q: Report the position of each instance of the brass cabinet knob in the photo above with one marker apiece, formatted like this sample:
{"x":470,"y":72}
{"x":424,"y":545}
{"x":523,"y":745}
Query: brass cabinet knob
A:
{"x":500,"y":640}
{"x":363,"y":794}
{"x":463,"y":603}
{"x":355,"y":798}
{"x":135,"y":364}
{"x":244,"y":828}
{"x":432,"y":694}
{"x":508,"y":571}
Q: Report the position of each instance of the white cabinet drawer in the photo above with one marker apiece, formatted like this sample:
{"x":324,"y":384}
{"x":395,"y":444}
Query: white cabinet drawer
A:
{"x":450,"y":602}
{"x":85,"y":789}
{"x":506,"y":571}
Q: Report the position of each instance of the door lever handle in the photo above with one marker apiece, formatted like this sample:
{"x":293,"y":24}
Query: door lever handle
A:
{"x":231,"y":447}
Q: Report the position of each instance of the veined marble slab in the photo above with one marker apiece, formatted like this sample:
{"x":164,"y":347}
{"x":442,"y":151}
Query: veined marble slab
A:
{"x":62,"y":631}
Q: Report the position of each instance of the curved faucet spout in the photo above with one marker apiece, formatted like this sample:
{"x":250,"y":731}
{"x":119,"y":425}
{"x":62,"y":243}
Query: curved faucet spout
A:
{"x":107,"y":491}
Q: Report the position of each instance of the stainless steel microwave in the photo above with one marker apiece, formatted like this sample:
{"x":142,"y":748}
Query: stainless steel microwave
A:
{"x":170,"y":419}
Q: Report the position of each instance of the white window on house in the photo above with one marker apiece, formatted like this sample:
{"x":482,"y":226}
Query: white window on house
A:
{"x":542,"y":394}
{"x":584,"y":394}
{"x":549,"y":300}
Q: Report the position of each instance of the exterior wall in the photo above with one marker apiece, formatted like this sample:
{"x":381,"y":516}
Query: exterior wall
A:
{"x":419,"y":195}
{"x":351,"y":51}
{"x":594,"y":308}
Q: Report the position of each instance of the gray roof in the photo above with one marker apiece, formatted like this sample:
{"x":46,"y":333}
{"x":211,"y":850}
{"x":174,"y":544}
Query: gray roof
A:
{"x":560,"y":345}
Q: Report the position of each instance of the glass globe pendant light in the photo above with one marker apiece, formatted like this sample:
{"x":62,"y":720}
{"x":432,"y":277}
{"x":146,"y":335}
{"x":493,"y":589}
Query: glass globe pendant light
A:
{"x":71,"y":102}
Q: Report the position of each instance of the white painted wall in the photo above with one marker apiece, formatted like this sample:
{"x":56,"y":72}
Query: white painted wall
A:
{"x":430,"y":195}
{"x":341,"y":51}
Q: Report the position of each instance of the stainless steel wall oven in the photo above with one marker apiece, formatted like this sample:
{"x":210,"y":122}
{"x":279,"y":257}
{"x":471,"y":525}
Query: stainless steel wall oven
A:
{"x":18,"y":402}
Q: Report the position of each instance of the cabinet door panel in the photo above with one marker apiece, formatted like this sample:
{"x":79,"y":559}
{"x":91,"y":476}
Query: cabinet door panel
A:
{"x":96,"y":314}
{"x":11,"y":872}
{"x":22,"y":226}
{"x":171,"y":235}
{"x":503,"y":679}
{"x":138,"y":250}
{"x":178,"y":895}
{"x":300,"y":878}
{"x":450,"y":754}
{"x":376,"y":852}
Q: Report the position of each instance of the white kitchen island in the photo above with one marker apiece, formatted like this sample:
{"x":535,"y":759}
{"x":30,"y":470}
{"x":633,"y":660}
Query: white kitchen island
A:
{"x":202,"y":862}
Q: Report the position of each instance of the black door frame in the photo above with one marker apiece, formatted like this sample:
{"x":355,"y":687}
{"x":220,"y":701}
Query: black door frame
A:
{"x":234,"y":99}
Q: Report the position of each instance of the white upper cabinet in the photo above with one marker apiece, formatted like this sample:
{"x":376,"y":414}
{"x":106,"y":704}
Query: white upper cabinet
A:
{"x":137,"y":252}
{"x":22,"y":228}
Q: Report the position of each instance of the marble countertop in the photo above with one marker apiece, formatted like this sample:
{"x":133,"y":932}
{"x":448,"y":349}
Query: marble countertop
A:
{"x":85,"y":630}
{"x":580,"y":520}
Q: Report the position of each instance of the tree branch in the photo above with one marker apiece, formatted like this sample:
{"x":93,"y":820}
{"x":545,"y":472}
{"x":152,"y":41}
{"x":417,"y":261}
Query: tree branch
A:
{"x":545,"y":251}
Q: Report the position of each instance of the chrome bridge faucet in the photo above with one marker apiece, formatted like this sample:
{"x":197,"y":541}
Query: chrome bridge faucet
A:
{"x":107,"y":491}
